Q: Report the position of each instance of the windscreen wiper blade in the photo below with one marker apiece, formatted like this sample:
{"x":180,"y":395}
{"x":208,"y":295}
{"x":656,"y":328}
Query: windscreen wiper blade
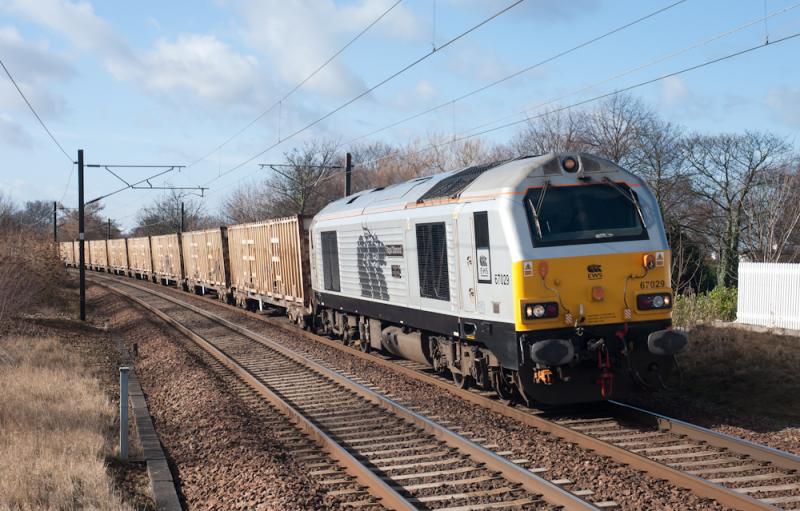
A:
{"x":536,"y":210}
{"x":631,"y":198}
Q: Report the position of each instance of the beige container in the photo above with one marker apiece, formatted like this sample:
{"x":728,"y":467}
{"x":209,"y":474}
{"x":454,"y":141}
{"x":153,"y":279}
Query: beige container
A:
{"x":269,"y":260}
{"x":140,"y":261}
{"x":205,"y":258}
{"x":118,"y":255}
{"x":98,"y":254}
{"x":67,"y":253}
{"x":167,"y":257}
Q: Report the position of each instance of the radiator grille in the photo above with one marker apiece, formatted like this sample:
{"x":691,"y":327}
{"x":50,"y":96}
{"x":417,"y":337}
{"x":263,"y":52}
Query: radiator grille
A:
{"x":452,"y":186}
{"x":434,"y":280}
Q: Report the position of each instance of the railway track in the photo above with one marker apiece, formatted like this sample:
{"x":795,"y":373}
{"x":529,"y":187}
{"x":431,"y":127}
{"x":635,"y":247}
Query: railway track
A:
{"x":403,"y":459}
{"x":733,"y":471}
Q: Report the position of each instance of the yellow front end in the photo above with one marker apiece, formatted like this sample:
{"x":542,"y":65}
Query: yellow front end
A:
{"x":591,"y":290}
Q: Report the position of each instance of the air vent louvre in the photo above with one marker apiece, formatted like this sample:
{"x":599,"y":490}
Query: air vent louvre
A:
{"x":452,"y":186}
{"x":434,"y":279}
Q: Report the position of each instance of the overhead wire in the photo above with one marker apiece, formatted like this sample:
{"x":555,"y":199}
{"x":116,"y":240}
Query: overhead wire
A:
{"x":590,"y":100}
{"x":520,"y":72}
{"x":369,"y":90}
{"x":33,"y":111}
{"x":305,"y":80}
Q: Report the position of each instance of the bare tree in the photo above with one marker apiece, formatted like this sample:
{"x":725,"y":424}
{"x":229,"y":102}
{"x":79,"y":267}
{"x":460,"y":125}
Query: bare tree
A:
{"x":95,"y":224}
{"x":163,"y":215}
{"x":557,"y":131}
{"x":726,"y":169}
{"x":613,"y":129}
{"x":250,"y":202}
{"x":772,"y":216}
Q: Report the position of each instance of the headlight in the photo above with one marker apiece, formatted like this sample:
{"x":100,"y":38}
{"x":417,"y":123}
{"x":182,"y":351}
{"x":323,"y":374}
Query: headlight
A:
{"x":654,"y":301}
{"x":540,"y":310}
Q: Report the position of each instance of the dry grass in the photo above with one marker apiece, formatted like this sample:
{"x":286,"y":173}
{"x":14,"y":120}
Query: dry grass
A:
{"x":54,"y":426}
{"x":756,"y":373}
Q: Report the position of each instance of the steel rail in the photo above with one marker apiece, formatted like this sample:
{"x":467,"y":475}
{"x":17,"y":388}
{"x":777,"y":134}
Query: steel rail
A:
{"x":550,"y":492}
{"x":698,"y":485}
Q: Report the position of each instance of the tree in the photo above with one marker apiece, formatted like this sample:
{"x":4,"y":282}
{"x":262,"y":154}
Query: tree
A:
{"x":772,"y":216}
{"x":613,"y":130}
{"x":557,"y":131}
{"x":725,"y":170}
{"x":248,"y":203}
{"x":163,"y":215}
{"x":95,"y":224}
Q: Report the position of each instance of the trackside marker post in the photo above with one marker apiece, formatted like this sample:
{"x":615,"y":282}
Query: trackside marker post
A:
{"x":123,"y":413}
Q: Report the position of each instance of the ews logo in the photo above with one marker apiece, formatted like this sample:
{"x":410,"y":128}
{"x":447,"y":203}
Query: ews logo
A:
{"x":594,"y":272}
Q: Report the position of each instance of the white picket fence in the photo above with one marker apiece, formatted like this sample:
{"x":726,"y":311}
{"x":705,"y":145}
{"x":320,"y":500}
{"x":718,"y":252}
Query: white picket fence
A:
{"x":769,"y":295}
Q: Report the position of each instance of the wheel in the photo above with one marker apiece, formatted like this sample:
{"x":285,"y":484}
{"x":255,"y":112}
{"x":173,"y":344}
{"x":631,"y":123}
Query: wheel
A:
{"x":504,"y":387}
{"x":460,"y":380}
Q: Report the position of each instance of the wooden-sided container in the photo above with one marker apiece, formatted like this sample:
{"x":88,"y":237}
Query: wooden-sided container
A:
{"x":167,"y":265}
{"x":205,"y":259}
{"x":140,"y":260}
{"x":98,"y":255}
{"x":118,"y":256}
{"x":269,"y":263}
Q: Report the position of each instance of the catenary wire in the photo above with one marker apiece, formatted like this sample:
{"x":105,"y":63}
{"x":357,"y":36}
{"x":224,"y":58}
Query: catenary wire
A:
{"x":369,"y":90}
{"x":589,"y":100}
{"x":299,"y":85}
{"x":517,"y":73}
{"x":33,"y":111}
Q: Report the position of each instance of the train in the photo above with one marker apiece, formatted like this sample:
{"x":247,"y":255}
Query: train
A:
{"x":545,"y":279}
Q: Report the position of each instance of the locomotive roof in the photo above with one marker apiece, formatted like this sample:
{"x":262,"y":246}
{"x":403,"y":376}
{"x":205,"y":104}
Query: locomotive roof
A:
{"x":479,"y":182}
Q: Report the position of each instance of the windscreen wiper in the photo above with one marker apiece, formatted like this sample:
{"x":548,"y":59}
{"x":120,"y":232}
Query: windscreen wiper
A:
{"x":631,"y":197}
{"x":535,"y":210}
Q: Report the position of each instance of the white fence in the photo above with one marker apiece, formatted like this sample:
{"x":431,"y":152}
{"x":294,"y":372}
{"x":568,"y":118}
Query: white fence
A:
{"x":769,"y":295}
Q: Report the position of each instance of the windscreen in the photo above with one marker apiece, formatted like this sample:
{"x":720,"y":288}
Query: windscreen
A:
{"x":597,"y":213}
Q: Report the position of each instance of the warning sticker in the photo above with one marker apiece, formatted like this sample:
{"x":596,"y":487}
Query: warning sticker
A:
{"x":659,"y":258}
{"x":527,"y":268}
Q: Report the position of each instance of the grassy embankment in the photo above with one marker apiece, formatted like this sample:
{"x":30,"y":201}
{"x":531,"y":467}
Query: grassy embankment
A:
{"x":56,"y":422}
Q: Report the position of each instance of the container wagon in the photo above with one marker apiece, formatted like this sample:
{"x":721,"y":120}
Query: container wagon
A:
{"x":269,"y":266}
{"x":205,"y":261}
{"x":98,"y":255}
{"x":66,"y":253}
{"x":118,"y":256}
{"x":140,"y":260}
{"x":167,"y":265}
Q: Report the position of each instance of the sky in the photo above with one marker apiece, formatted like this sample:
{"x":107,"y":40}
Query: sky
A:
{"x":167,"y":83}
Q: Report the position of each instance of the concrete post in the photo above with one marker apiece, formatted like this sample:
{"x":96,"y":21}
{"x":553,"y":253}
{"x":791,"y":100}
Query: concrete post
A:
{"x":123,"y":413}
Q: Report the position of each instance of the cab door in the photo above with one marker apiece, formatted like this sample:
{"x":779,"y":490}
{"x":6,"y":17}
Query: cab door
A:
{"x":467,"y":263}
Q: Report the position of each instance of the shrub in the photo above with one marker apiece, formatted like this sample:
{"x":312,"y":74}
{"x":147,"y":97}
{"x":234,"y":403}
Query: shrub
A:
{"x":717,"y":304}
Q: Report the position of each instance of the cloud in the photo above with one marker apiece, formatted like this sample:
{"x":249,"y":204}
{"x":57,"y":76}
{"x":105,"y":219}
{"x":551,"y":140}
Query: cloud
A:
{"x":35,"y":67}
{"x":673,"y":90}
{"x":13,"y":134}
{"x":298,"y":36}
{"x":195,"y":64}
{"x":785,"y":104}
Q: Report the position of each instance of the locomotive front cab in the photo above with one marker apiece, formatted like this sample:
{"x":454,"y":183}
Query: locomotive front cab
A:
{"x":593,"y":316}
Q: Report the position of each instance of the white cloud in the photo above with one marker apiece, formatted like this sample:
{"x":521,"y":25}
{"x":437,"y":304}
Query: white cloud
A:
{"x":13,"y":134}
{"x":673,"y":90}
{"x":35,"y":68}
{"x":785,"y":104}
{"x":298,"y":36}
{"x":200,"y":65}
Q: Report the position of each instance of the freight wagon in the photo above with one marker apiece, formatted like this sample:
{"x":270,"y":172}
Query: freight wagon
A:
{"x":167,"y":266}
{"x":140,"y":260}
{"x":118,"y":256}
{"x":205,"y":261}
{"x":67,"y":253}
{"x":269,"y":265}
{"x":98,"y":255}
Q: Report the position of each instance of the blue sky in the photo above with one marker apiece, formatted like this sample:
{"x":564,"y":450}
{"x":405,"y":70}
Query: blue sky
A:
{"x":166,"y":82}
